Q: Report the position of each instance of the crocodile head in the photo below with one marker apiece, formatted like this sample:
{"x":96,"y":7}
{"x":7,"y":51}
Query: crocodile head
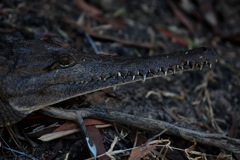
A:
{"x":35,"y":74}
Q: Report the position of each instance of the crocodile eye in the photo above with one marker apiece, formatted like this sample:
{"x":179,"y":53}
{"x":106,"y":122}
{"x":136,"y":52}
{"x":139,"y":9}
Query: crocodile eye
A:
{"x":63,"y":62}
{"x":66,"y":61}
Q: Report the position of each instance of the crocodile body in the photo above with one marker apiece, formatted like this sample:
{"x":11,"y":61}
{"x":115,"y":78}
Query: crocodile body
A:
{"x":35,"y":74}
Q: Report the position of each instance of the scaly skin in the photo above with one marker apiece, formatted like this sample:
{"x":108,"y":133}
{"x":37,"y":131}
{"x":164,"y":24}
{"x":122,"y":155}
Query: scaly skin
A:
{"x":35,"y":74}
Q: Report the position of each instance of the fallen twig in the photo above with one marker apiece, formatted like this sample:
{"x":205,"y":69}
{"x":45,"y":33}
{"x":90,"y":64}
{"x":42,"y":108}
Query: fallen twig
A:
{"x":217,"y":140}
{"x":111,"y":38}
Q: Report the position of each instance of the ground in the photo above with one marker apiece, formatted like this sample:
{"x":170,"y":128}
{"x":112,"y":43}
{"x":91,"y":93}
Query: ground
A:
{"x":204,"y":101}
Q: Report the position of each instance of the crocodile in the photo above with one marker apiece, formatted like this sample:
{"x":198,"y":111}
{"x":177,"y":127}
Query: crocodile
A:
{"x":35,"y":74}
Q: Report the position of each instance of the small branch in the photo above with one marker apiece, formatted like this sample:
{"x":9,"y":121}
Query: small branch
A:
{"x":111,"y":38}
{"x":216,"y":140}
{"x":122,"y":41}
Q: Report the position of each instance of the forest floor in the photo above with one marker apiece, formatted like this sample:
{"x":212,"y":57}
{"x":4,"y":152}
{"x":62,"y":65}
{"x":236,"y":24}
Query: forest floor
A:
{"x":203,"y":102}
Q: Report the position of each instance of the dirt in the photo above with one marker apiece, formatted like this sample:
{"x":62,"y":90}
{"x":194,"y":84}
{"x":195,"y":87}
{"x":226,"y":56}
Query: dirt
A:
{"x":205,"y":100}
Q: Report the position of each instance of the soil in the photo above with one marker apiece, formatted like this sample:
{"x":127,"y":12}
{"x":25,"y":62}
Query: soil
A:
{"x":206,"y":101}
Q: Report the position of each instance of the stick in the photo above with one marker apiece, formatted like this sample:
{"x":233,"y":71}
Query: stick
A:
{"x":217,"y":140}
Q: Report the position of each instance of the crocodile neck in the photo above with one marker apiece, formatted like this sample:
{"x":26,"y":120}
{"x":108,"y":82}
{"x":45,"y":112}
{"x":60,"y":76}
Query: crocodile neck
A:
{"x":36,"y":74}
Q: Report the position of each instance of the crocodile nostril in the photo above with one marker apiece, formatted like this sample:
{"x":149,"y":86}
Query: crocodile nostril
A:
{"x":204,"y":49}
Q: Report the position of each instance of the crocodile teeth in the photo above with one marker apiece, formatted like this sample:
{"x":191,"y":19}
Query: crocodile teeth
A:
{"x":174,"y":70}
{"x":119,"y":74}
{"x":144,"y":77}
{"x":194,"y":65}
{"x":165,"y":73}
{"x":210,"y":65}
{"x":201,"y":66}
{"x":133,"y":78}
